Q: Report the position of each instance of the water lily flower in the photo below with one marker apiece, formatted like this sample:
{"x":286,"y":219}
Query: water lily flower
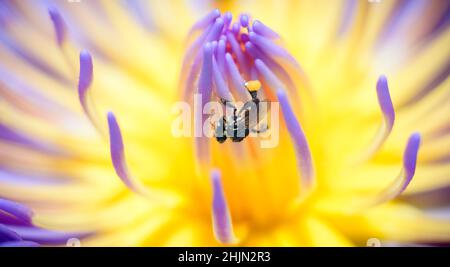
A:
{"x":88,"y":88}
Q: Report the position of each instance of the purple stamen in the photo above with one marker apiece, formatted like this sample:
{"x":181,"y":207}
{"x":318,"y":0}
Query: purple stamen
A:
{"x":205,"y":80}
{"x":304,"y":157}
{"x":221,"y":50}
{"x":193,"y":48}
{"x":192,"y":75}
{"x":8,"y":219}
{"x":236,"y":78}
{"x":216,"y":30}
{"x":261,"y":29}
{"x":387,"y":108}
{"x":86,"y":72}
{"x":205,"y":83}
{"x":244,"y":20}
{"x":118,"y":154}
{"x":268,"y":75}
{"x":205,"y":21}
{"x":410,"y":159}
{"x":384,"y":99}
{"x":19,"y":211}
{"x":214,"y":47}
{"x":269,"y":47}
{"x":212,"y":34}
{"x":407,"y":173}
{"x":191,"y":63}
{"x":227,"y":18}
{"x":236,"y":48}
{"x":58,"y":24}
{"x":85,"y":80}
{"x":271,"y":65}
{"x":84,"y":84}
{"x":221,"y":87}
{"x":222,"y":223}
{"x":236,"y":28}
{"x":236,"y":66}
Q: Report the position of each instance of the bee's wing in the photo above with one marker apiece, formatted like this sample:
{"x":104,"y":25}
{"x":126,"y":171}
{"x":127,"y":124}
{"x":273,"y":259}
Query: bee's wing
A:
{"x":257,"y":115}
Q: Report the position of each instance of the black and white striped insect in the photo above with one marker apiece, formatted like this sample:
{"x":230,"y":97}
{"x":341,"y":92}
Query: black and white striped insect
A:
{"x":239,"y":125}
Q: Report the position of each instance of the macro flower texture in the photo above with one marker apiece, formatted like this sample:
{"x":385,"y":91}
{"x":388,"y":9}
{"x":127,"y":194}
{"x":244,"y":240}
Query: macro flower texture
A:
{"x":359,"y":95}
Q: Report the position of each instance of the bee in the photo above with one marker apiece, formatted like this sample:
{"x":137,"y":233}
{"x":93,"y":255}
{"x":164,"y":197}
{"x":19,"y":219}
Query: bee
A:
{"x":238,"y":126}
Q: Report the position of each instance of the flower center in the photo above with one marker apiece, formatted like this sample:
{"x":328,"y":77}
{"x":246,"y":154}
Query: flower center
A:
{"x":243,"y":61}
{"x":228,"y":62}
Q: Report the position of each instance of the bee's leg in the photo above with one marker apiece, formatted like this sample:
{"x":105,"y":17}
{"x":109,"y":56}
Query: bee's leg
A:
{"x":220,"y":133}
{"x":227,"y":103}
{"x":253,"y":87}
{"x":247,"y":124}
{"x":241,"y":127}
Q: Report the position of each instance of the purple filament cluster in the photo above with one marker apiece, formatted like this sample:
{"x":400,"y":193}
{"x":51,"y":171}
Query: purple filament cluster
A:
{"x":223,"y":54}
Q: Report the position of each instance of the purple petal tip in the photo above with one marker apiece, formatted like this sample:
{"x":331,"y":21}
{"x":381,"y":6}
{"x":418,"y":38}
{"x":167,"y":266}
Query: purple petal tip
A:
{"x":244,"y":21}
{"x":222,"y":225}
{"x":19,"y":211}
{"x":228,"y":17}
{"x":206,"y":20}
{"x":205,"y":79}
{"x":116,"y":141}
{"x":117,"y":151}
{"x":219,"y":22}
{"x":408,"y":170}
{"x":7,"y":234}
{"x":58,"y":24}
{"x":384,"y":100}
{"x":410,"y":157}
{"x":263,"y":30}
{"x":118,"y":155}
{"x":86,"y":72}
